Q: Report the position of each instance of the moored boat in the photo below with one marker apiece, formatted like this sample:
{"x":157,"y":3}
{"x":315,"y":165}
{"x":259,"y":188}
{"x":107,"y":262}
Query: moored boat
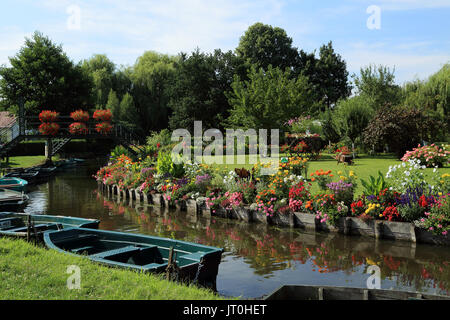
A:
{"x":11,"y":200}
{"x":16,"y":224}
{"x":30,"y":177}
{"x":300,"y":292}
{"x":11,"y":183}
{"x":195,"y":262}
{"x":43,"y":172}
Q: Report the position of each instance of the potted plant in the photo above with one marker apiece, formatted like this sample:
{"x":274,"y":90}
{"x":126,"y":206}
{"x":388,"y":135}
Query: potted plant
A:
{"x":78,"y":128}
{"x":80,"y":116}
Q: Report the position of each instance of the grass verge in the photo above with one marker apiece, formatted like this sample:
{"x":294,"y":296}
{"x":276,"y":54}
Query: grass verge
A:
{"x":29,"y":272}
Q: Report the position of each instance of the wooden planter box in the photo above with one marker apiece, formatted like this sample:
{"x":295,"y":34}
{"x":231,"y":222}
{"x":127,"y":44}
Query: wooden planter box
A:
{"x":245,"y":214}
{"x":397,"y":230}
{"x":220,"y":212}
{"x":191,"y":207}
{"x":284,"y":220}
{"x":425,"y":236}
{"x":305,"y":220}
{"x":157,"y":199}
{"x":260,"y":217}
{"x":180,"y":205}
{"x":362,"y":227}
{"x":328,"y":227}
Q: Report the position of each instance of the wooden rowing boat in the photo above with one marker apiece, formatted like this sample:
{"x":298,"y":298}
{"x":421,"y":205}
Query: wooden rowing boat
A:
{"x":299,"y":292}
{"x":11,"y":200}
{"x":16,"y":224}
{"x":12,"y":183}
{"x":194,"y":262}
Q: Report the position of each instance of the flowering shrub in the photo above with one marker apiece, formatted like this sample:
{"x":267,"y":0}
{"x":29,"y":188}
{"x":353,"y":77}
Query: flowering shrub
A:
{"x":103,"y":127}
{"x":80,"y":116}
{"x":342,"y":191}
{"x":323,"y":178}
{"x":102,"y":115}
{"x":48,"y":128}
{"x":78,"y":128}
{"x":430,"y":156}
{"x":48,"y":116}
{"x":438,"y":218}
{"x":298,"y":194}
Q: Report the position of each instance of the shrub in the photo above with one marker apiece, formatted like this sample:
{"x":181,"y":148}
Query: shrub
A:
{"x":103,"y":127}
{"x":102,"y":115}
{"x":48,"y":116}
{"x":49,"y":128}
{"x":438,"y":218}
{"x":78,"y":128}
{"x":430,"y":156}
{"x":80,"y":116}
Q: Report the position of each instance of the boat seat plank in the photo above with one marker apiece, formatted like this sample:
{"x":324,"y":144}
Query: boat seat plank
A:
{"x":79,"y":250}
{"x":154,"y":265}
{"x":114,"y":252}
{"x":37,"y":226}
{"x":196,"y":256}
{"x":12,"y":222}
{"x":76,"y":237}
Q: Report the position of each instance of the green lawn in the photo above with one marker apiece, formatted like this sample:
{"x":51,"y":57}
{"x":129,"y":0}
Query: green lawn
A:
{"x":23,"y":161}
{"x":28,"y":272}
{"x":363,"y":167}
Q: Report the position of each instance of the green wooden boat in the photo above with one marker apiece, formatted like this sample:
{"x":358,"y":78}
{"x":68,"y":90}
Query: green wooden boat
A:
{"x":12,"y":183}
{"x":16,"y":224}
{"x":145,"y":253}
{"x":300,"y":292}
{"x":11,"y":200}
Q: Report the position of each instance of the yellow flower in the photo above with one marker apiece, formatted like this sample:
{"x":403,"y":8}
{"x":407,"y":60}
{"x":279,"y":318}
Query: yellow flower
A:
{"x":352,"y":173}
{"x":339,"y":172}
{"x":343,"y":178}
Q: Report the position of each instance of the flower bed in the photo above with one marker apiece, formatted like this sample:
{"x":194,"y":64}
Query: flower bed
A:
{"x":395,"y":211}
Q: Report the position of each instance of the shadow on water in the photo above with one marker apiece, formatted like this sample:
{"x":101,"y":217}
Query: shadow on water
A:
{"x":258,"y":258}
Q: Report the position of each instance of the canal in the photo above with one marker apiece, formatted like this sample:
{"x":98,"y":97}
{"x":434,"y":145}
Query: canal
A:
{"x":258,"y":258}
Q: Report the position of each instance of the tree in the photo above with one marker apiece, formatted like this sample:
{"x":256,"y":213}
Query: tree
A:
{"x":268,"y":99}
{"x":401,"y":128}
{"x":377,"y":85}
{"x":332,"y":76}
{"x":264,"y":45}
{"x":113,"y":104}
{"x":198,"y":92}
{"x":355,"y":115}
{"x":101,"y":70}
{"x":128,"y":113}
{"x":433,"y":95}
{"x":43,"y":76}
{"x":152,"y":76}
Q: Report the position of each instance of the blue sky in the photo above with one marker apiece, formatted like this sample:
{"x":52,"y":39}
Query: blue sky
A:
{"x":413,"y":36}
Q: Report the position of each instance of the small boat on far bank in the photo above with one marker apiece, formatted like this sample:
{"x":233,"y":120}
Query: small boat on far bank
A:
{"x":139,"y":252}
{"x":12,"y":183}
{"x":300,"y":292}
{"x":11,"y":200}
{"x":16,"y":224}
{"x":30,"y":177}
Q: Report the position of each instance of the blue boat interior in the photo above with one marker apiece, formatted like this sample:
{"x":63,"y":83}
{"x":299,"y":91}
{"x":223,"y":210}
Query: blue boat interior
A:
{"x":144,"y":256}
{"x":17,"y":225}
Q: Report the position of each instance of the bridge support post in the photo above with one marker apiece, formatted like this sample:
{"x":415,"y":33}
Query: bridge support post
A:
{"x":48,"y":149}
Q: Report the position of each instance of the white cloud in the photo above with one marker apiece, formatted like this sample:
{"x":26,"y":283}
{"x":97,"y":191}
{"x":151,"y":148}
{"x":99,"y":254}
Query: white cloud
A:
{"x":408,"y":64}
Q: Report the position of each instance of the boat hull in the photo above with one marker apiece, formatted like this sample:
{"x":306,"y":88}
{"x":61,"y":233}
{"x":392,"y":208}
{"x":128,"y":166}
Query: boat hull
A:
{"x":15,"y":184}
{"x":15,"y":224}
{"x":299,"y":292}
{"x":143,"y":253}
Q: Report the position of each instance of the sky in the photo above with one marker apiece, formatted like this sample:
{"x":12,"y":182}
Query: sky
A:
{"x":411,"y":36}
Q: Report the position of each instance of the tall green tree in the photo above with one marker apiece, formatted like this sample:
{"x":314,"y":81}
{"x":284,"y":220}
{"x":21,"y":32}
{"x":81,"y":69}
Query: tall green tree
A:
{"x":268,"y":98}
{"x":198,"y":92}
{"x":113,"y":104}
{"x":377,"y":85}
{"x":355,"y":115}
{"x":331,"y":77}
{"x":152,"y":77}
{"x":264,"y":45}
{"x":101,"y":70}
{"x":44,"y":77}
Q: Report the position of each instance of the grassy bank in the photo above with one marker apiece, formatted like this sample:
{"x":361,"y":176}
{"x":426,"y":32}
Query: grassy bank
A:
{"x":28,"y":272}
{"x":25,"y":161}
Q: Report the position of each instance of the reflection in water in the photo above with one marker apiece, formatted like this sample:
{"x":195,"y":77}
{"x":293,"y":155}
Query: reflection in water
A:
{"x":258,"y":258}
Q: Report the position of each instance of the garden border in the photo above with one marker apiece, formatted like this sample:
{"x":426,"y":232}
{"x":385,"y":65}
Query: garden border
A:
{"x":352,"y":226}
